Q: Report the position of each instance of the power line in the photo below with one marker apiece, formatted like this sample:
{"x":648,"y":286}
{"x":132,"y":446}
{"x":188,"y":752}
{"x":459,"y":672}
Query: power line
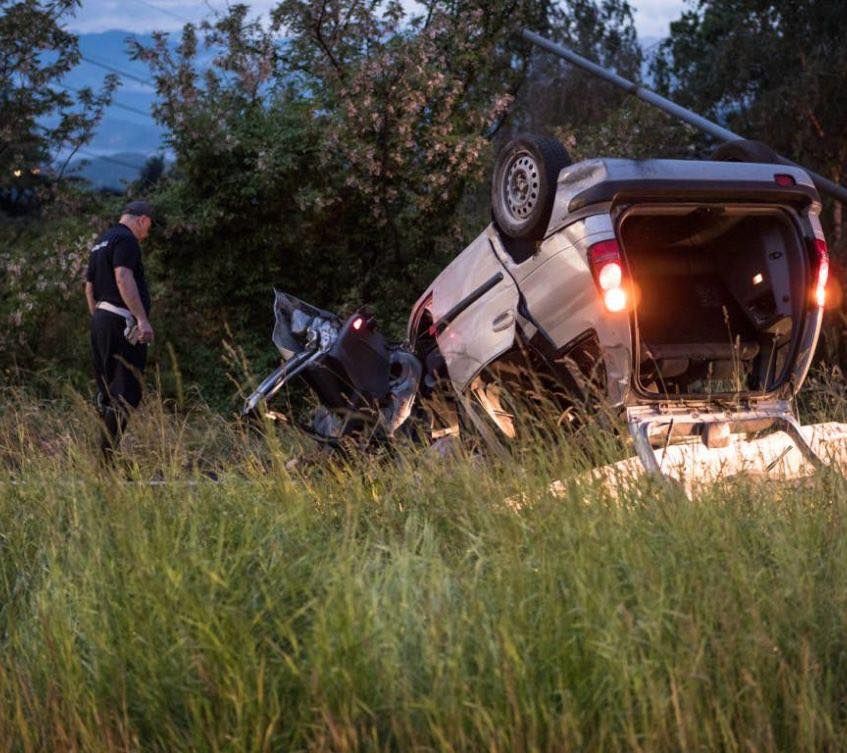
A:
{"x":93,"y":155}
{"x":122,"y":106}
{"x":167,"y":12}
{"x":133,"y":76}
{"x":646,"y":50}
{"x":118,"y":71}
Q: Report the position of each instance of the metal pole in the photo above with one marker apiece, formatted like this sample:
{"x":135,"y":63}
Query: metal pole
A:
{"x":824,"y":185}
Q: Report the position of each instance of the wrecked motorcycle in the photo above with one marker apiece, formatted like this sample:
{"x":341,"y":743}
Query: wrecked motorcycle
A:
{"x":361,"y":380}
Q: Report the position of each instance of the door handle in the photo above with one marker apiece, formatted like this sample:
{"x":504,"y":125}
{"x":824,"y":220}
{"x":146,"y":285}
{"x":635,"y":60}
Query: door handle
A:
{"x":503,"y":321}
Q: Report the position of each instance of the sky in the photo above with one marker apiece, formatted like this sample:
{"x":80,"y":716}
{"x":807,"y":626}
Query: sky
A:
{"x":651,"y":16}
{"x":128,"y":126}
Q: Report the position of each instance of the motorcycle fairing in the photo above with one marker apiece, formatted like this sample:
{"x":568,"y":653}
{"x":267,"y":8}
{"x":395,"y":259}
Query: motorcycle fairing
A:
{"x":293,"y":317}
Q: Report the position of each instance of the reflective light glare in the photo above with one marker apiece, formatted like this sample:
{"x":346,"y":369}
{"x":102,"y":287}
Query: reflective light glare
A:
{"x":17,"y":173}
{"x":610,"y":276}
{"x":820,"y":293}
{"x":357,"y":323}
{"x":757,"y":278}
{"x":823,"y":271}
{"x":615,"y":299}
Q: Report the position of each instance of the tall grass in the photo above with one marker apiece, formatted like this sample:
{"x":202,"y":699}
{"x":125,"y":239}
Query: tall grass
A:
{"x":402,"y":602}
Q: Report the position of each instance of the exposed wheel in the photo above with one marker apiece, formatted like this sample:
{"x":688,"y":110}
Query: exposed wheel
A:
{"x":745,"y":150}
{"x":524,"y":185}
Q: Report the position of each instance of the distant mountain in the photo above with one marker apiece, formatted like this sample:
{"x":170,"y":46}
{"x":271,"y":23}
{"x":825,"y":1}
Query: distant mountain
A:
{"x":106,"y":53}
{"x":128,"y":132}
{"x":112,"y":172}
{"x":128,"y":124}
{"x":117,"y":134}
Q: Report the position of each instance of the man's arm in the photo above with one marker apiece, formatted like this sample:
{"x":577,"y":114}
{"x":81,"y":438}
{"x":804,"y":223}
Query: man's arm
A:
{"x":89,"y":296}
{"x":129,"y":292}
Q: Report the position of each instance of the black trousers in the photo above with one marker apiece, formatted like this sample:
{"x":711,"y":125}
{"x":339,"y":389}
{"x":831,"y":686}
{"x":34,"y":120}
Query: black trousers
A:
{"x":118,"y":369}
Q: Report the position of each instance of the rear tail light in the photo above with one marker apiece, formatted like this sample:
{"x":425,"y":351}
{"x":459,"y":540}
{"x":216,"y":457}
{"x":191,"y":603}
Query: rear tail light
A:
{"x":784,"y":180}
{"x":604,"y":259}
{"x":821,"y":261}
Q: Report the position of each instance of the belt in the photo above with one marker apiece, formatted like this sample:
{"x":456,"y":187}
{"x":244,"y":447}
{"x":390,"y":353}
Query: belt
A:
{"x":131,"y":332}
{"x":111,"y":308}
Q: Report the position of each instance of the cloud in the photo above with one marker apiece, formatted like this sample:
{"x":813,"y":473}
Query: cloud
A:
{"x":139,"y":16}
{"x":653,"y":17}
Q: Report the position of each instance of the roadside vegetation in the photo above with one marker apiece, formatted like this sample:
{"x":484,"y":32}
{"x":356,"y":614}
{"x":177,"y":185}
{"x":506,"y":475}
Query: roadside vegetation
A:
{"x":410,"y":602}
{"x":230,"y":589}
{"x":342,"y":152}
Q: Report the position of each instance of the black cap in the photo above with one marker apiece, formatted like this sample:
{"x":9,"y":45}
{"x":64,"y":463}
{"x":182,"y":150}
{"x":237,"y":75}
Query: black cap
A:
{"x":139,"y":208}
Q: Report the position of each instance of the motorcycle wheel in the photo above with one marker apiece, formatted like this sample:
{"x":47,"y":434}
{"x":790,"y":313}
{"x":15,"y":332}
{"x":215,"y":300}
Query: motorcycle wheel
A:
{"x":523,"y":187}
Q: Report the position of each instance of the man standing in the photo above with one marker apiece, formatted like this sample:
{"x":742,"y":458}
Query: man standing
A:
{"x":119,"y":302}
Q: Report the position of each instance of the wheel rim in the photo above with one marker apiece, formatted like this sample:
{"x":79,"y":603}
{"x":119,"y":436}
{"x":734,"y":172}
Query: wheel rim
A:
{"x":523,"y":182}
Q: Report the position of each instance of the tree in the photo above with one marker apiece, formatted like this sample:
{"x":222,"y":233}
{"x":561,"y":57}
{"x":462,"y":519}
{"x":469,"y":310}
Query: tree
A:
{"x":394,"y":116}
{"x":333,"y":153}
{"x":151,"y":173}
{"x":410,"y":107}
{"x":771,"y":71}
{"x":37,"y":116}
{"x":556,"y":94}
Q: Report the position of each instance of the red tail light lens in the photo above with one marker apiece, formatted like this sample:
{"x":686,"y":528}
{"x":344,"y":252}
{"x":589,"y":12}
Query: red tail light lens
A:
{"x":357,"y":323}
{"x":822,"y":263}
{"x":606,"y":265}
{"x":784,"y":180}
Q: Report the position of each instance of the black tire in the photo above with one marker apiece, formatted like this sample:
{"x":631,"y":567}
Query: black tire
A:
{"x":745,"y":150}
{"x":524,"y":185}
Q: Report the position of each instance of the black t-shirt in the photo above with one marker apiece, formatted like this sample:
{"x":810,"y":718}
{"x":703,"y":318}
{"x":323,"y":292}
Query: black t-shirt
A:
{"x":117,"y":247}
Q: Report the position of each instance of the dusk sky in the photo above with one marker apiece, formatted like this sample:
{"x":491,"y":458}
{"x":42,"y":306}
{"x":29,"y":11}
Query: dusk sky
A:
{"x":651,"y":16}
{"x":128,"y":127}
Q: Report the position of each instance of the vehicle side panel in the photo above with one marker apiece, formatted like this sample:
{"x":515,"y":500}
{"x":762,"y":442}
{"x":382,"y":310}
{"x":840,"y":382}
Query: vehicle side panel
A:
{"x":562,"y":300}
{"x":473,"y":304}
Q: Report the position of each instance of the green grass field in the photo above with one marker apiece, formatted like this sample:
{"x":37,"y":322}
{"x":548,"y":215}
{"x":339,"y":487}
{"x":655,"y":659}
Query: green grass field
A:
{"x":402,"y":603}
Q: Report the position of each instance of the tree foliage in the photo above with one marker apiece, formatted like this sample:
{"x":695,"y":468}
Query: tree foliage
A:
{"x":353,"y":139}
{"x":340,"y":152}
{"x":772,"y":71}
{"x":556,"y":94}
{"x":43,"y":252}
{"x":336,"y":153}
{"x":38,"y":117}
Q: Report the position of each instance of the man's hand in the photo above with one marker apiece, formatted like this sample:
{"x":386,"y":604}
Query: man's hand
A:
{"x":145,"y":331}
{"x":129,"y":293}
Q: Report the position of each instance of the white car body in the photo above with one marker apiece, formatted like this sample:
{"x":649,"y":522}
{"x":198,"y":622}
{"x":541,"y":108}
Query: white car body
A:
{"x":488,"y":300}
